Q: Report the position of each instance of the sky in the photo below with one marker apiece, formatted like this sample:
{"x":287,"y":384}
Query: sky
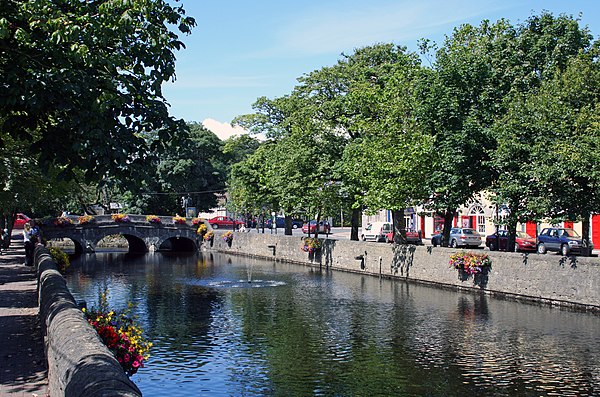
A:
{"x":242,"y":50}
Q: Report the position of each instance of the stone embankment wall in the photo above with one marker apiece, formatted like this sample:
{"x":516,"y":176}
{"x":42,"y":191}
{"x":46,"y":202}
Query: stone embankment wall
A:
{"x":79,"y":364}
{"x":551,"y":278}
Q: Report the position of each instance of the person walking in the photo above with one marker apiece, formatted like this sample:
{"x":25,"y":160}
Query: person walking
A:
{"x":27,"y":234}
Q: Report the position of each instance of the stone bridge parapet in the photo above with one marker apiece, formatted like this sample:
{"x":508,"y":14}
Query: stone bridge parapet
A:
{"x":141,"y":235}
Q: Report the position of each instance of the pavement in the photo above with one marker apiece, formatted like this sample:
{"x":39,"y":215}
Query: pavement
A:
{"x":23,"y":367}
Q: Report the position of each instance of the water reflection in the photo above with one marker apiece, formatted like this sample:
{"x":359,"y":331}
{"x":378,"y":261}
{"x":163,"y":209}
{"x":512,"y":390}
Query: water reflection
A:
{"x":323,"y":333}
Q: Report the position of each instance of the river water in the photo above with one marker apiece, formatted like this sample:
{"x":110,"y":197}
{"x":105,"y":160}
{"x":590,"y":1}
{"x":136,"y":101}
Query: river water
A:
{"x":300,"y":331}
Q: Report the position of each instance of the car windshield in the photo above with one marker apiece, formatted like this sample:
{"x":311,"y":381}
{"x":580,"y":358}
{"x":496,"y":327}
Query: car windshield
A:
{"x":469,"y":231}
{"x":523,"y":235}
{"x":571,"y":233}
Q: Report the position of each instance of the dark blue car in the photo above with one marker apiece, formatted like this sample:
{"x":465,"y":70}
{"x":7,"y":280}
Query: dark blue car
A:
{"x":280,"y":223}
{"x":559,"y":239}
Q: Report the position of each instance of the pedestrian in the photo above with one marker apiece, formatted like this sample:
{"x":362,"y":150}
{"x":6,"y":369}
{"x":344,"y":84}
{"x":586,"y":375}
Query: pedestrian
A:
{"x":5,"y":240}
{"x":28,"y":244}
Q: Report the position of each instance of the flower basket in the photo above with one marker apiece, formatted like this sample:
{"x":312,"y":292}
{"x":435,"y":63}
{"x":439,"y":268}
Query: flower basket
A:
{"x":228,"y":237}
{"x":61,"y":259}
{"x":153,"y":219}
{"x":86,"y":219}
{"x":63,"y":221}
{"x":197,"y":221}
{"x":121,"y":218}
{"x":470,"y":263}
{"x":311,"y":245}
{"x":179,"y":220}
{"x":208,"y":236}
{"x":202,"y":229}
{"x":121,"y":334}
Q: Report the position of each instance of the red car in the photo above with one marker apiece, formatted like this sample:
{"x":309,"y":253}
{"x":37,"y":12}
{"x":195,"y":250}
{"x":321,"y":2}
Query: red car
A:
{"x":324,"y":227}
{"x":224,"y":221}
{"x":20,"y":221}
{"x":412,"y":237}
{"x":523,"y":241}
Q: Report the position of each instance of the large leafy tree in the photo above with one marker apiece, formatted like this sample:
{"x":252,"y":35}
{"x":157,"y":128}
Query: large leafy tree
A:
{"x":81,"y":81}
{"x":551,"y":89}
{"x":346,"y":97}
{"x":194,"y":168}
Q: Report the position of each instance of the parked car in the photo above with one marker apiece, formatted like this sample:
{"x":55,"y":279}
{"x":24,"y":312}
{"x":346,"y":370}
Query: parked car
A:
{"x":376,"y":231}
{"x":464,"y":237}
{"x":436,"y":238}
{"x":523,"y":241}
{"x":280,"y":222}
{"x":324,"y":227}
{"x":224,"y":221}
{"x":20,"y":221}
{"x":559,"y":239}
{"x":412,"y":237}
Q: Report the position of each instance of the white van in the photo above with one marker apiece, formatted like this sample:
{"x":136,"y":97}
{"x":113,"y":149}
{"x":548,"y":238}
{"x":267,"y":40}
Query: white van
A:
{"x":375,"y":231}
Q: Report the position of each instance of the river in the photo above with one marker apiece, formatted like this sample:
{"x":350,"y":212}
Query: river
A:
{"x":299,"y":331}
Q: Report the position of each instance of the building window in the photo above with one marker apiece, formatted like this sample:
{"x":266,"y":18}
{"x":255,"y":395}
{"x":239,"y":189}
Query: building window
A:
{"x":477,"y":211}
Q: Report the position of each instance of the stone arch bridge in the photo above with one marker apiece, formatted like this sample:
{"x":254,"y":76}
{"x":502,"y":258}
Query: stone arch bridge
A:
{"x":141,"y":235}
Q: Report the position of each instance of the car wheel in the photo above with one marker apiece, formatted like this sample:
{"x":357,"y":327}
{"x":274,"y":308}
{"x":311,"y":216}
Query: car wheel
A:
{"x":362,"y":238}
{"x":387,"y":239}
{"x":564,"y":249}
{"x":492,"y":247}
{"x":454,"y":244}
{"x":215,"y":226}
{"x":541,"y":249}
{"x":434,"y":242}
{"x":517,"y":247}
{"x":294,"y":226}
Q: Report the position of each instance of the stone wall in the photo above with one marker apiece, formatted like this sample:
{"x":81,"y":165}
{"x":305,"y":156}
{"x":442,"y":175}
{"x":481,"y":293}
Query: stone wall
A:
{"x":79,"y":364}
{"x":551,"y":278}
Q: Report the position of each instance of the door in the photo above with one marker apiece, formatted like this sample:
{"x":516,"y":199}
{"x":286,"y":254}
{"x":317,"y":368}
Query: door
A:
{"x":596,"y":230}
{"x":531,"y":229}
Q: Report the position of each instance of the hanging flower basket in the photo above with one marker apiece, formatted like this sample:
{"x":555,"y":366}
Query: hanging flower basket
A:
{"x":153,"y":219}
{"x":179,"y":220}
{"x":197,"y":221}
{"x":202,"y":229}
{"x":470,"y":263}
{"x":228,"y":237}
{"x":86,"y":219}
{"x":120,"y":332}
{"x":121,"y":218}
{"x":311,"y":245}
{"x":208,"y":236}
{"x":63,"y":221}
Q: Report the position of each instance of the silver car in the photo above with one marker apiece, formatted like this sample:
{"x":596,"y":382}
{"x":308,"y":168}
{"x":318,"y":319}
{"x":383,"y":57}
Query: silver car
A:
{"x":464,"y":237}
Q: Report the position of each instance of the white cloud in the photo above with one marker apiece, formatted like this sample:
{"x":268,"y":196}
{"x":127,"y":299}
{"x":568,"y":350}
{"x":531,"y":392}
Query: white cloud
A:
{"x":223,"y":130}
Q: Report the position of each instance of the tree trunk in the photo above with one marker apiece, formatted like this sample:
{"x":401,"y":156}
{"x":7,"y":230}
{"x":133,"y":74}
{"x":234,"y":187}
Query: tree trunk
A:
{"x":585,"y":234}
{"x":399,"y":229}
{"x":288,"y":222}
{"x":354,"y":229}
{"x":316,"y":225}
{"x":448,"y":217}
{"x":511,"y":228}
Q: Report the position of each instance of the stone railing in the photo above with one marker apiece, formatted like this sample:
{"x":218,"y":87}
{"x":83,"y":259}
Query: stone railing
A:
{"x":79,"y":364}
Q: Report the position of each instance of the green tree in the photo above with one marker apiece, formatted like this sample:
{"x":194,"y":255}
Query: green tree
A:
{"x":82,"y":81}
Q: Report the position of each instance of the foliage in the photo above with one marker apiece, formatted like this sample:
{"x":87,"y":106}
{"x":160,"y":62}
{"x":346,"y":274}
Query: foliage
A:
{"x":86,"y":219}
{"x":179,"y":220}
{"x":194,"y":166}
{"x":470,"y":262}
{"x":311,"y":245}
{"x":83,"y":81}
{"x":121,"y":218}
{"x":60,"y":258}
{"x":120,"y":332}
{"x":153,"y":219}
{"x":63,"y":221}
{"x":228,"y":237}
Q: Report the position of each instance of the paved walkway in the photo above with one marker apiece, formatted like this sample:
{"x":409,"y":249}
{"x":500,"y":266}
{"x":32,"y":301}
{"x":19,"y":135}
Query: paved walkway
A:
{"x":23,"y":369}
